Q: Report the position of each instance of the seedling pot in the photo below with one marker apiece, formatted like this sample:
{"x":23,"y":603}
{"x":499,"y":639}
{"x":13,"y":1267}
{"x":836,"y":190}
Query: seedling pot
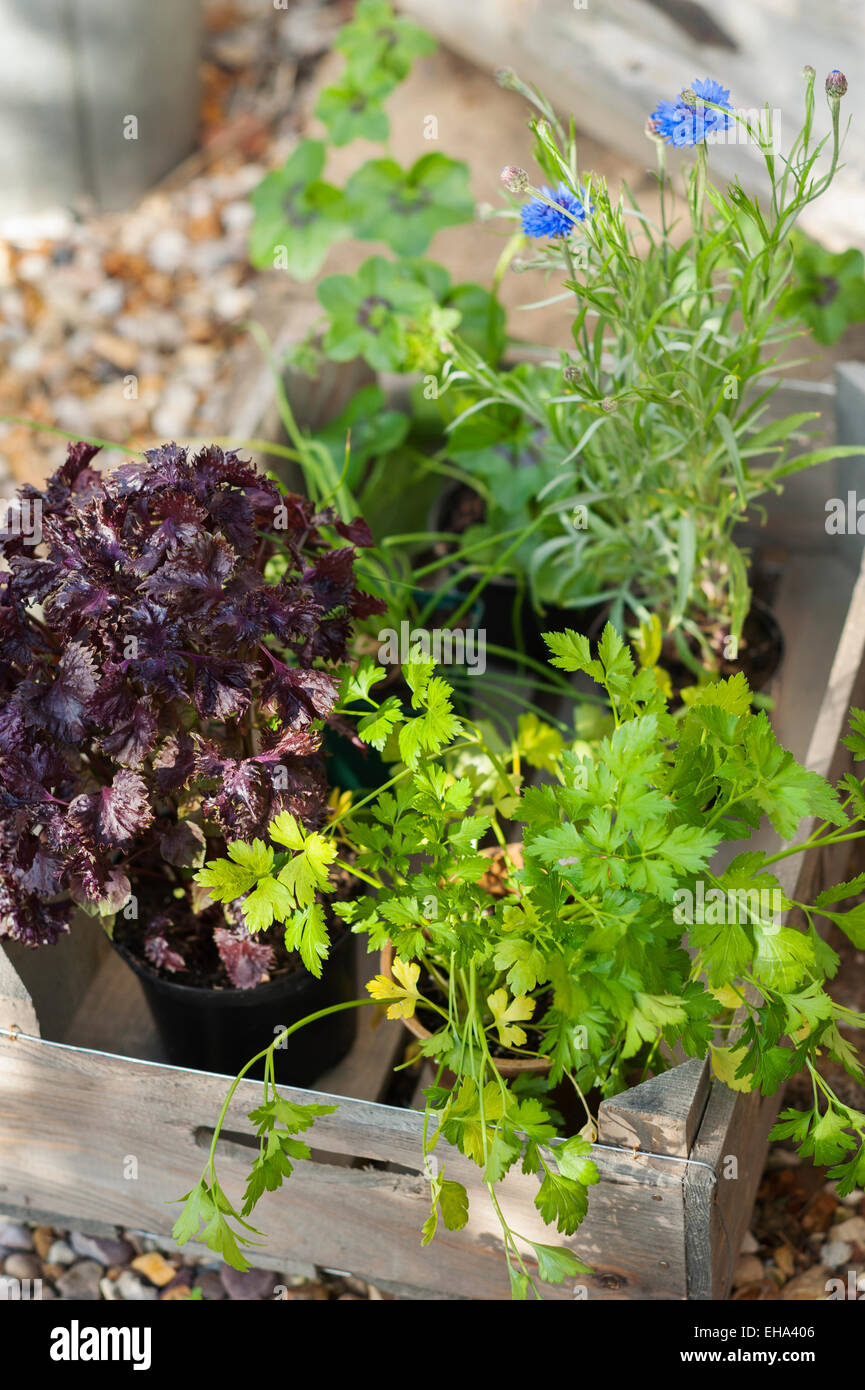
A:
{"x":219,"y":1030}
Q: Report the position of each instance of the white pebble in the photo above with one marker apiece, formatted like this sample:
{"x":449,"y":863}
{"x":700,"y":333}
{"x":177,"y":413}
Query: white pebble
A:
{"x":168,"y":250}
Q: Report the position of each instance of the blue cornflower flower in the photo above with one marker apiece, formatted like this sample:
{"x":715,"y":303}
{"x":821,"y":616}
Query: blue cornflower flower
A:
{"x":686,"y":121}
{"x":539,"y":219}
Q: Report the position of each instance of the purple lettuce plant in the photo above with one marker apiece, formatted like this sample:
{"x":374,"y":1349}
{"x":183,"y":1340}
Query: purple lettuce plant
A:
{"x":167,"y":659}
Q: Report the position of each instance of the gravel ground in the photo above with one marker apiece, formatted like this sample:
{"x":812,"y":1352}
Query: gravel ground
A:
{"x":122,"y":326}
{"x":139,"y":1268}
{"x":802,"y":1234}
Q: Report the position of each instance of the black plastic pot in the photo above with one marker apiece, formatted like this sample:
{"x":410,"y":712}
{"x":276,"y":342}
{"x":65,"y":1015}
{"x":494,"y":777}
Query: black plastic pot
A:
{"x":219,"y":1030}
{"x":762,"y":651}
{"x":498,"y":597}
{"x":351,"y":768}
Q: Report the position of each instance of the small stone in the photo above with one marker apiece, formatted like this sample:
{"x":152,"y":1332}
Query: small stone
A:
{"x":749,"y":1270}
{"x":173,"y":415}
{"x":851,"y":1199}
{"x":107,"y":299}
{"x":835,"y":1253}
{"x":307,"y":29}
{"x":33,"y":266}
{"x":120,"y":352}
{"x":27,"y":357}
{"x":109,"y":1289}
{"x":309,"y":1292}
{"x":51,"y":1271}
{"x":81,"y":1281}
{"x":818,"y":1214}
{"x":249,"y":1285}
{"x":168,"y":250}
{"x":239,"y":48}
{"x":349,"y":1297}
{"x":15,"y":1237}
{"x":20,"y":1265}
{"x":176,"y":1294}
{"x":782,"y":1158}
{"x":851,"y":1230}
{"x":211,"y":1286}
{"x":60,"y":1253}
{"x":809,"y":1286}
{"x":204,"y":227}
{"x":131,"y":1289}
{"x":106,"y":1251}
{"x":237,"y":217}
{"x":750,"y":1244}
{"x":785,"y":1261}
{"x":43,"y":1239}
{"x":154,"y":1267}
{"x":232,"y":303}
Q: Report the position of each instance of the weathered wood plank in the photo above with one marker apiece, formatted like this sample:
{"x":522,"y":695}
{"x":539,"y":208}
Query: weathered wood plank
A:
{"x":17,"y":1013}
{"x":718,"y":1203}
{"x":73,"y":1159}
{"x":660,"y":1115}
{"x":57,"y":977}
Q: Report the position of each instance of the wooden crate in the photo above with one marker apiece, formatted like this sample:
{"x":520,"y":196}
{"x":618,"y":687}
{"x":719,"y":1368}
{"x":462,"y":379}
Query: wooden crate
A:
{"x":96,"y":1131}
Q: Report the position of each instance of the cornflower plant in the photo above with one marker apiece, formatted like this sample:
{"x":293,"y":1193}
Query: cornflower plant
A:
{"x":566,"y":953}
{"x":646,"y":446}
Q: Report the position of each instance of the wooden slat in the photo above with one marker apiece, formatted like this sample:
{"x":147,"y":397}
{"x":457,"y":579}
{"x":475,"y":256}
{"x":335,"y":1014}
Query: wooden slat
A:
{"x":718,"y":1203}
{"x":16,"y":1007}
{"x":660,"y":1115}
{"x":57,"y":977}
{"x":69,"y":1158}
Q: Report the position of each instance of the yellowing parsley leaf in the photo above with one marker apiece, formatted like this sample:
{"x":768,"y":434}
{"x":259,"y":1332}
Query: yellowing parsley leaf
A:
{"x":651,"y":1013}
{"x":508,"y":1016}
{"x":402,"y":989}
{"x":726,"y":1062}
{"x":314,"y":940}
{"x":525,"y":964}
{"x":573,"y":1160}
